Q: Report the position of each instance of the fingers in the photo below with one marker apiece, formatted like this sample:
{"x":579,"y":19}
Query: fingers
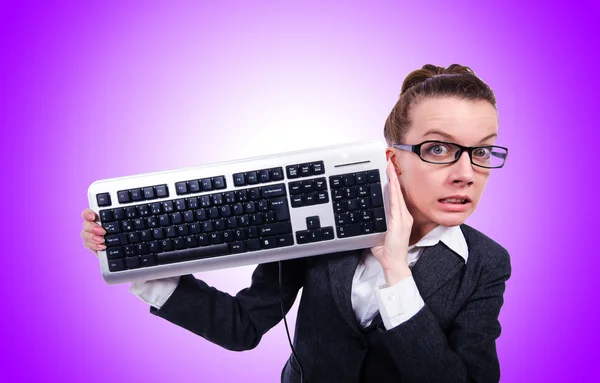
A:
{"x":88,"y":215}
{"x":398,"y":197}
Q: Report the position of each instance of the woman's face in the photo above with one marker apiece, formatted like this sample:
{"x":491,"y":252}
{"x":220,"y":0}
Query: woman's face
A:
{"x":425,"y":186}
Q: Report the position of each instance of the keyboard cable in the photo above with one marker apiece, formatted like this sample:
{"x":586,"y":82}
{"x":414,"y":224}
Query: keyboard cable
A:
{"x":286,"y":326}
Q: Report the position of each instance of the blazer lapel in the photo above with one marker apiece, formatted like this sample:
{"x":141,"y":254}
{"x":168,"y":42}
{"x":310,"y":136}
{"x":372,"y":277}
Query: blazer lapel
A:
{"x":341,"y":272}
{"x":436,"y":265}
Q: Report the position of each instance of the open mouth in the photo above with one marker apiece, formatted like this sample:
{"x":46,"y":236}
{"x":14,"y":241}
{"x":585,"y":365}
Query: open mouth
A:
{"x":456,"y":201}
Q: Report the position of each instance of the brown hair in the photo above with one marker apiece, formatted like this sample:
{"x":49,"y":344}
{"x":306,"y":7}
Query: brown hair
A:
{"x":433,"y":82}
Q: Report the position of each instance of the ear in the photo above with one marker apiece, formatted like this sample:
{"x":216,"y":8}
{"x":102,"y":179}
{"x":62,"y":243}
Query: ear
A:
{"x":391,"y":154}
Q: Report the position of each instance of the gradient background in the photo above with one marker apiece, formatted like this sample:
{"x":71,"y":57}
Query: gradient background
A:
{"x":104,"y":90}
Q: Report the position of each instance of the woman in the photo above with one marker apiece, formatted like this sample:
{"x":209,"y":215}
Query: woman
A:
{"x":423,"y":306}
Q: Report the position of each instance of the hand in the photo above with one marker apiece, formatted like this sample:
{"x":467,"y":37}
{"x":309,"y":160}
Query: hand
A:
{"x":393,"y":254}
{"x":92,"y":233}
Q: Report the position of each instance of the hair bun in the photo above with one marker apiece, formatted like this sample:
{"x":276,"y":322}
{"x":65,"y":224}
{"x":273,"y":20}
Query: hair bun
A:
{"x":429,"y":71}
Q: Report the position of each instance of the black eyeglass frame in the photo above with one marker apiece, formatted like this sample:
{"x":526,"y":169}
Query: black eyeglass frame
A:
{"x":469,"y":149}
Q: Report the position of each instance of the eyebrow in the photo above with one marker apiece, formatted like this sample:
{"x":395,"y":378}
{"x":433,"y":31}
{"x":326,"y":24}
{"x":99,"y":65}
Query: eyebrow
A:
{"x":450,"y":137}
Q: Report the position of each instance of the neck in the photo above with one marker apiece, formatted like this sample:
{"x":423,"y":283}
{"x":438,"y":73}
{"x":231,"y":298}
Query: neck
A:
{"x":419,"y":230}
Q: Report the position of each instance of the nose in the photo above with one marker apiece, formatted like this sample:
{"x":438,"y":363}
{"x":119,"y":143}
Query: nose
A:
{"x":462,"y":170}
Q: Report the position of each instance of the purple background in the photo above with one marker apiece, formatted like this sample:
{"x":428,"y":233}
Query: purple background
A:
{"x":106,"y":90}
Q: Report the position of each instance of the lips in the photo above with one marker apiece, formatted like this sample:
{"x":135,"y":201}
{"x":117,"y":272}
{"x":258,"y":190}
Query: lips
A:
{"x":456,"y":199}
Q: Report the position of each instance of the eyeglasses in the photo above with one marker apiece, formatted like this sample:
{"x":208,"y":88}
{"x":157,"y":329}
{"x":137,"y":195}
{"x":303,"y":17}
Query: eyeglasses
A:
{"x":440,"y":152}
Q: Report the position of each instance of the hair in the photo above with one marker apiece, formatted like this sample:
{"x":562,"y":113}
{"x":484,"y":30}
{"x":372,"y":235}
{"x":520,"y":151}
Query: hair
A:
{"x":433,"y":82}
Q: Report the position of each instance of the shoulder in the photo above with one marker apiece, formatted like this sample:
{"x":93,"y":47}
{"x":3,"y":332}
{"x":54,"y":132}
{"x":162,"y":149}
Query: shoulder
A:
{"x":485,"y":253}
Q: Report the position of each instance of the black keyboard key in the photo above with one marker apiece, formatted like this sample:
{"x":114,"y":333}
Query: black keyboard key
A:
{"x":197,"y":253}
{"x":270,"y":191}
{"x":302,"y":236}
{"x":191,"y":241}
{"x":133,"y":237}
{"x":219,"y":224}
{"x":237,"y":247}
{"x":335,"y":182}
{"x":176,"y":218}
{"x":123,"y":196}
{"x":116,"y":264}
{"x":132,"y":262}
{"x":348,"y":180}
{"x":148,"y":192}
{"x":225,"y":211}
{"x":262,"y":205}
{"x":103,"y":199}
{"x":308,"y":199}
{"x":305,"y":170}
{"x":130,"y":251}
{"x":194,"y":186}
{"x":314,"y":235}
{"x":213,"y":212}
{"x":368,"y":227}
{"x":253,"y":244}
{"x":254,"y":194}
{"x":380,"y":225}
{"x":155,"y":208}
{"x":170,"y":232}
{"x":252,"y":231}
{"x":192,"y":203}
{"x":205,"y":201}
{"x":340,"y":206}
{"x":308,"y":186}
{"x":181,"y":188}
{"x":161,"y":191}
{"x":227,"y":235}
{"x":188,"y":216}
{"x":239,"y":179}
{"x":297,"y":201}
{"x":183,"y":229}
{"x":219,"y":182}
{"x":166,"y":244}
{"x":153,"y":247}
{"x":216,"y":199}
{"x":361,"y":178}
{"x":285,"y":240}
{"x":268,"y":242}
{"x":373,"y":176}
{"x":168,"y":207}
{"x":206,"y":184}
{"x":111,"y":227}
{"x":376,"y":197}
{"x":143,"y":210}
{"x":139,"y":223}
{"x":201,"y":214}
{"x":148,"y":260}
{"x":179,"y":244}
{"x":327,"y":233}
{"x":292,"y":171}
{"x":207,"y":226}
{"x":142,"y":248}
{"x":158,"y":233}
{"x":295,"y":187}
{"x":251,"y":178}
{"x":320,"y":184}
{"x":146,"y":235}
{"x":112,"y":240}
{"x":363,"y":190}
{"x":313,"y":222}
{"x":281,"y":209}
{"x":215,"y":237}
{"x":352,"y":204}
{"x":263,"y":176}
{"x":137,"y":195}
{"x":131,"y":212}
{"x":115,"y":252}
{"x":351,"y":230}
{"x":275,"y":228}
{"x":106,"y":215}
{"x":317,"y":168}
{"x":180,"y":204}
{"x":276,"y":174}
{"x":164,"y":220}
{"x":338,"y":194}
{"x":203,"y":240}
{"x":322,"y":197}
{"x":350,"y":192}
{"x":229,"y":197}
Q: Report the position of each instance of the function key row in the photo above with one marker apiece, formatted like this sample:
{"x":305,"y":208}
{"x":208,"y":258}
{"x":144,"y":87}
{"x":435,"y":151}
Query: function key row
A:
{"x":258,"y":176}
{"x":351,"y":179}
{"x":305,"y":170}
{"x":201,"y":185}
{"x":143,"y":194}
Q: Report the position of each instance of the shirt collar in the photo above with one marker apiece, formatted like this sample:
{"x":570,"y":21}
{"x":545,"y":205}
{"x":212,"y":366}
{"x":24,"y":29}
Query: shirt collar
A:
{"x":451,"y":236}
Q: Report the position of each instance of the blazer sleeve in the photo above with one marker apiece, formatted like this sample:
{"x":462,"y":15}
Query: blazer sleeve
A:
{"x":235,"y":322}
{"x":467,"y":352}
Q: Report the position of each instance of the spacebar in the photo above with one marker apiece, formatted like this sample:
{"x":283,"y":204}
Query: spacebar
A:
{"x":196,"y":253}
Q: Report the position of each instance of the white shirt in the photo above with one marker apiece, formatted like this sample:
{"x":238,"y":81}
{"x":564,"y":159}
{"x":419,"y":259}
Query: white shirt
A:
{"x":396,"y":303}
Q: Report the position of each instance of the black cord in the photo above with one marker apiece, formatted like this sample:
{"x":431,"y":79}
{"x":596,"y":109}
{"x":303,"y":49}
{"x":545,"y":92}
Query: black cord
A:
{"x":286,"y":326}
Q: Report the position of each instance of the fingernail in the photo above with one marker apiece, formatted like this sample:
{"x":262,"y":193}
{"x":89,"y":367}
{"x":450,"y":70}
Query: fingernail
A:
{"x":102,"y":247}
{"x":98,"y":230}
{"x":90,"y":216}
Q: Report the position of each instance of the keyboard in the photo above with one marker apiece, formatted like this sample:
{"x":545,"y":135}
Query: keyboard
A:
{"x":257,"y":210}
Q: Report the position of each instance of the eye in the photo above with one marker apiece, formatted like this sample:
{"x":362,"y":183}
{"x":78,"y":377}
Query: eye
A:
{"x":482,"y":152}
{"x":437,"y":149}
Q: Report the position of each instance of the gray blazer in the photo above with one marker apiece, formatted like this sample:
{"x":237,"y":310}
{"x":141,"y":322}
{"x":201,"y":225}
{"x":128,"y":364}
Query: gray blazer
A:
{"x":451,"y":339}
